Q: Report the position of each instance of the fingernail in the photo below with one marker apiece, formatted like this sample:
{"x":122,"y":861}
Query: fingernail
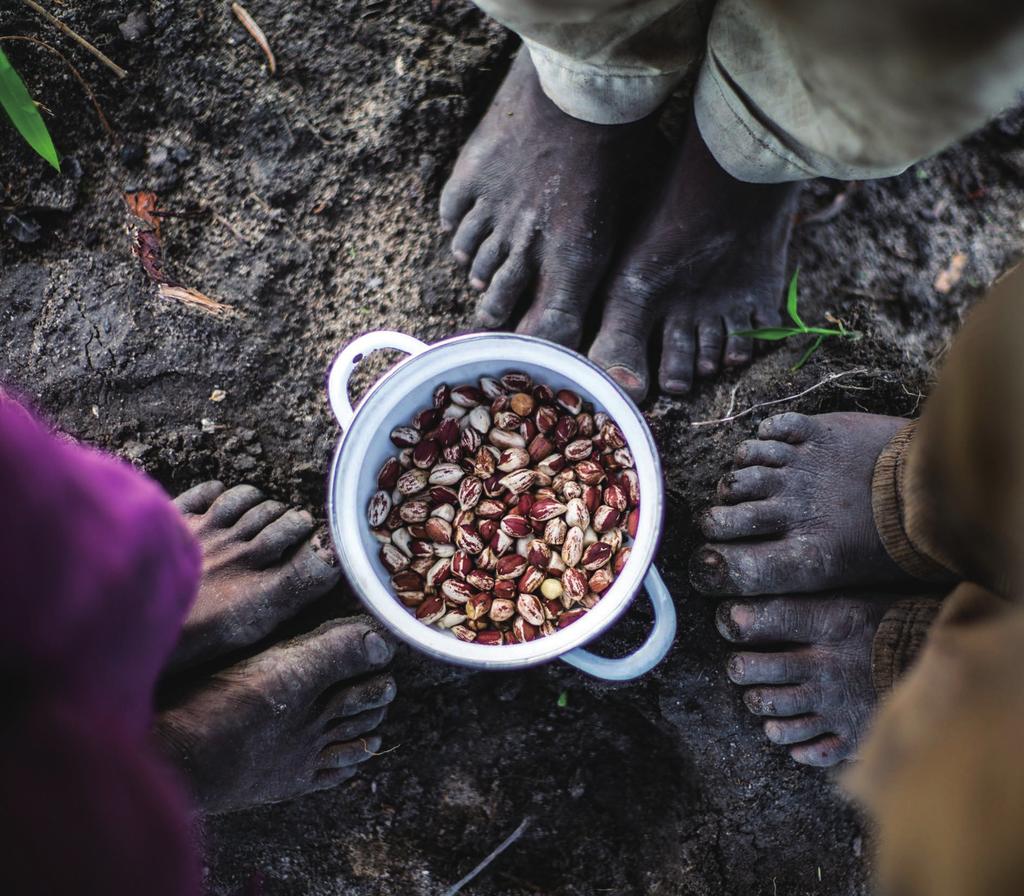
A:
{"x":477,"y":284}
{"x":377,"y":650}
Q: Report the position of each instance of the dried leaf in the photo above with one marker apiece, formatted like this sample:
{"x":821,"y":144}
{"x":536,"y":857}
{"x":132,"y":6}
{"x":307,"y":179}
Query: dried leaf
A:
{"x":249,"y":24}
{"x":144,"y":232}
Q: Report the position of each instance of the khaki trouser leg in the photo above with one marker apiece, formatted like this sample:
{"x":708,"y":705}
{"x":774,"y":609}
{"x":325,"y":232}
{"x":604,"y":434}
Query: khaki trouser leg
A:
{"x":608,"y":61}
{"x":788,"y":89}
{"x":941,"y":770}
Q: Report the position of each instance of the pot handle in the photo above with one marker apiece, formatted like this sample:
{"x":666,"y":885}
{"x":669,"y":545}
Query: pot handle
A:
{"x":649,"y":654}
{"x":346,"y":360}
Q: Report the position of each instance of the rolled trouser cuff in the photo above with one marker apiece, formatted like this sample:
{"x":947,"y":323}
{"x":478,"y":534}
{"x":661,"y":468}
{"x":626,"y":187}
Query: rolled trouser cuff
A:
{"x":600,"y":94}
{"x":750,"y":146}
{"x":892,"y":506}
{"x":899,"y":640}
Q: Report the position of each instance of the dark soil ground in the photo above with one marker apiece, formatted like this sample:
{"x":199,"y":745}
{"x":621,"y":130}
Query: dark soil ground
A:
{"x":311,"y":211}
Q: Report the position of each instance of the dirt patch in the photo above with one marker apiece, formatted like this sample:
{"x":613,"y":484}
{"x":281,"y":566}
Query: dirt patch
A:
{"x":310,"y":201}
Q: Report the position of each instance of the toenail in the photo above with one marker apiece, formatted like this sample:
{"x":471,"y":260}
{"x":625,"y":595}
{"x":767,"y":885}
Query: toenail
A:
{"x":711,"y":558}
{"x":377,"y":650}
{"x":624,"y":376}
{"x":327,"y":556}
{"x":477,"y":284}
{"x":705,"y":368}
{"x":742,"y":615}
{"x":734,"y":668}
{"x":677,"y":386}
{"x":460,"y":256}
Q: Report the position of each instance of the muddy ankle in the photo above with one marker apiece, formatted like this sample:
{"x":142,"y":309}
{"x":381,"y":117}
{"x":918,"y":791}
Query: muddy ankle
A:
{"x":535,"y":203}
{"x":299,"y":717}
{"x":795,"y":514}
{"x":261,"y":565}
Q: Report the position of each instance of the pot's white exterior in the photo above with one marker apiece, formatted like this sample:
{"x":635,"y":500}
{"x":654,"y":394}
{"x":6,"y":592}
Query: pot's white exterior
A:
{"x":365,"y":445}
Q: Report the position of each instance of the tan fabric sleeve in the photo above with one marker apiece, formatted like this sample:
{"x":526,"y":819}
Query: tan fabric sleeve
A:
{"x":899,"y":640}
{"x":891,"y":505}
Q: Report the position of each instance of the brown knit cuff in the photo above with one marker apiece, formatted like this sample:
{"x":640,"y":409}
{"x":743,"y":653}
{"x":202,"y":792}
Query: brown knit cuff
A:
{"x":899,"y":640}
{"x":888,"y":503}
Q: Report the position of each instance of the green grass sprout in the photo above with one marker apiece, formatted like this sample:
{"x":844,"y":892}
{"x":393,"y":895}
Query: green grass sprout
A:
{"x":20,"y":108}
{"x":775,"y":334}
{"x":563,"y":700}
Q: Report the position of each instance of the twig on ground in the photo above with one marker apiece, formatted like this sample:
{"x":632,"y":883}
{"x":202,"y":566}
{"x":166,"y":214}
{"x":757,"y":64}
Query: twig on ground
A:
{"x":74,"y":71}
{"x":256,"y":33}
{"x":366,"y":748}
{"x":189,"y":296}
{"x":505,"y":844}
{"x":75,"y":36}
{"x":765,"y":404}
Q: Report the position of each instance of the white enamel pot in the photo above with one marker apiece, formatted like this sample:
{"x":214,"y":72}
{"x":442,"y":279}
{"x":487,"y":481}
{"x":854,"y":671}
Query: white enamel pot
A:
{"x":365,"y":445}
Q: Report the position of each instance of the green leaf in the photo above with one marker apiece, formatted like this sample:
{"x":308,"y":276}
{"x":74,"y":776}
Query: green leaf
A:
{"x":807,"y":354}
{"x":563,"y":700}
{"x":770,"y":333}
{"x":18,"y":104}
{"x":791,"y":301}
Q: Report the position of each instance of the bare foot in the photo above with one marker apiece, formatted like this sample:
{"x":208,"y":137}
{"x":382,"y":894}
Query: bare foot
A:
{"x":710,"y":260}
{"x":795,"y":515}
{"x":535,"y":201}
{"x":259,"y":568}
{"x":296,"y":718}
{"x":806,"y":663}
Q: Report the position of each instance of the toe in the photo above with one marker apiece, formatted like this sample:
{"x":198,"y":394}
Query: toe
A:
{"x":776,"y":566}
{"x":748,"y":520}
{"x":765,"y":453}
{"x":749,"y":484}
{"x":258,"y":518}
{"x":739,"y":350}
{"x":489,"y":257}
{"x":621,"y":344}
{"x":309,"y":573}
{"x":562,"y":299}
{"x":349,"y":753}
{"x":471,"y":233}
{"x":348,"y":727}
{"x":822,"y":752}
{"x":796,"y":730}
{"x":677,"y":347}
{"x":784,"y":667}
{"x":338,"y":651}
{"x":199,"y":498}
{"x":345,"y":700}
{"x":789,"y":427}
{"x":768,"y":316}
{"x":710,"y":339}
{"x":785,"y":700}
{"x":505,"y":291}
{"x":282,"y":534}
{"x":804,"y":620}
{"x":457,"y":198}
{"x":228,"y":508}
{"x":326,"y":778}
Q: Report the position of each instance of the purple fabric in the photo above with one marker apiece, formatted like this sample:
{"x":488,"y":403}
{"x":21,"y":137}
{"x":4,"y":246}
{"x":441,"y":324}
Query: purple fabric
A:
{"x":98,"y":572}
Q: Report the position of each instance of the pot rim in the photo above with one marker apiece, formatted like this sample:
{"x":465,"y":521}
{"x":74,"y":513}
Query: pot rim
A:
{"x":358,"y":566}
